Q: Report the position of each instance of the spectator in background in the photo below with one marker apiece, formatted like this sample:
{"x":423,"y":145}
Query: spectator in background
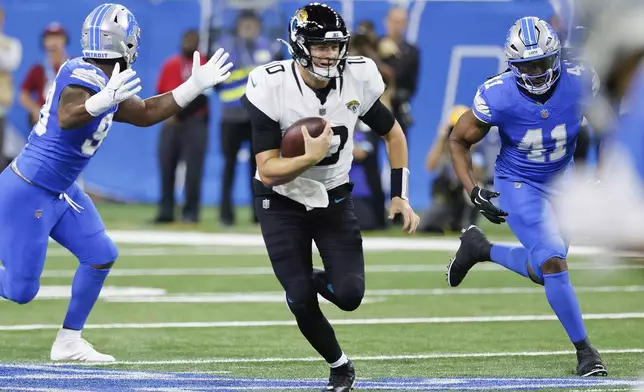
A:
{"x":184,"y":137}
{"x":365,"y":43}
{"x":41,"y":75}
{"x":451,"y":209}
{"x":403,"y":58}
{"x":247,"y":50}
{"x":10,"y":57}
{"x":369,"y":216}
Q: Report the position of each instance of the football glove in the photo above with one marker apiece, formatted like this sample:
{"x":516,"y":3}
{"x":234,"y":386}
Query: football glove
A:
{"x":203,"y":77}
{"x":481,"y":200}
{"x":118,"y":89}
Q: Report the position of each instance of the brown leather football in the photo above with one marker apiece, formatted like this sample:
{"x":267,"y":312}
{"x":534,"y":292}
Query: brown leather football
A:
{"x":293,"y":141}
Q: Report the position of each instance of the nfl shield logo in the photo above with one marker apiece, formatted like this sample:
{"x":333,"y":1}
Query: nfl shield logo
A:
{"x":544,"y":113}
{"x":266,"y":204}
{"x":38,"y":214}
{"x":322,"y":111}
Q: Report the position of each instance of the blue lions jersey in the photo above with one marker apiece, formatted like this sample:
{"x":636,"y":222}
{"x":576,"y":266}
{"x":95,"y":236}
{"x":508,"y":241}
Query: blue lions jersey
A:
{"x":53,"y":158}
{"x":537,"y":140}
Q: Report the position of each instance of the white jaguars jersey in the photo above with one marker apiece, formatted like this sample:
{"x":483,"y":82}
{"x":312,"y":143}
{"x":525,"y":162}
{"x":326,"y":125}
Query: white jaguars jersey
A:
{"x":278,"y":90}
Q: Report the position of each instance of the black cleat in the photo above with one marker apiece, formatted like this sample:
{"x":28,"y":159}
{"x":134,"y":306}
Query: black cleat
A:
{"x":474,"y":248}
{"x":589,"y":363}
{"x":342,"y":378}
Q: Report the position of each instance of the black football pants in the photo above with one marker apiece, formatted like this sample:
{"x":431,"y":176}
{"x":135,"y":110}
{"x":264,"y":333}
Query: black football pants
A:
{"x":289,"y":230}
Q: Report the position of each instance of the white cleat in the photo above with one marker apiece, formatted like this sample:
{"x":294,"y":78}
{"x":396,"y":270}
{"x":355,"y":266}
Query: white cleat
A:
{"x":69,"y":346}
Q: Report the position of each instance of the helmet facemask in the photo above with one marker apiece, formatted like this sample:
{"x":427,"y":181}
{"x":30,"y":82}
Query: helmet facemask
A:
{"x":538,"y":75}
{"x":321,"y":58}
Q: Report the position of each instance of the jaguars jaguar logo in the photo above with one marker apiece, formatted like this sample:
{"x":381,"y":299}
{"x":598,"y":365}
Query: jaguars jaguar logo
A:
{"x":353,"y":106}
{"x":302,"y":16}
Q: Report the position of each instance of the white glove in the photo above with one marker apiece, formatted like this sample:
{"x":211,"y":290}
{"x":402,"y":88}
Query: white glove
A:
{"x":203,"y":77}
{"x":116,"y":91}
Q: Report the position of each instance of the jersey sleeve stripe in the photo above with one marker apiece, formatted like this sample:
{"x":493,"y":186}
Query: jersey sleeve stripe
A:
{"x":89,"y":77}
{"x":479,"y":117}
{"x":481,"y":109}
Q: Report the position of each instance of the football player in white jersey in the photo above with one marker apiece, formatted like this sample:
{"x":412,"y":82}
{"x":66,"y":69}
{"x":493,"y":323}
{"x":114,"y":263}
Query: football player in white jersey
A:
{"x":308,"y":198}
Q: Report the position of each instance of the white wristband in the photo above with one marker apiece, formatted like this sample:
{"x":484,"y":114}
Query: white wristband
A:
{"x":99,"y":103}
{"x":186,"y":93}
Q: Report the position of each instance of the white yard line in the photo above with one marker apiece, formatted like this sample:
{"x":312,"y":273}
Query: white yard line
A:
{"x":173,"y":251}
{"x":368,"y":321}
{"x":243,"y":271}
{"x":371,"y":295}
{"x":317,"y":359}
{"x":242,"y":241}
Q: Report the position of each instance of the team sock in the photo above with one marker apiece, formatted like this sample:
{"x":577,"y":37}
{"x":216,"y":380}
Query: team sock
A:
{"x":86,"y":287}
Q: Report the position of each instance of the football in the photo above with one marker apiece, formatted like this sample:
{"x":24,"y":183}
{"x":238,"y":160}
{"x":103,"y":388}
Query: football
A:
{"x":293,"y":141}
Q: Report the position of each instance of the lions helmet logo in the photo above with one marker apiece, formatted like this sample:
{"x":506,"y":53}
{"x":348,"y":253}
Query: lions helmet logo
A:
{"x":353,"y":105}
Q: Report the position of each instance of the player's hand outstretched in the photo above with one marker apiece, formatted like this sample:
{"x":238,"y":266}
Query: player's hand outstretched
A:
{"x":215,"y":71}
{"x":481,"y":200}
{"x":410,"y":219}
{"x":119,"y":88}
{"x":316,"y":148}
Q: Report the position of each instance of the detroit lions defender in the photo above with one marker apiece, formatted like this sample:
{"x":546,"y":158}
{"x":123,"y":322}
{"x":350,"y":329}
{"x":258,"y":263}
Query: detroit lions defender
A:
{"x":39,"y":196}
{"x":538,"y":107}
{"x":308,"y":198}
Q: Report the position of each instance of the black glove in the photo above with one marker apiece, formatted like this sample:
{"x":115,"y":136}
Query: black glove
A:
{"x":481,"y":200}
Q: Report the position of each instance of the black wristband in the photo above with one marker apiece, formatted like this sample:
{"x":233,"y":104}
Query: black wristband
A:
{"x":400,"y":183}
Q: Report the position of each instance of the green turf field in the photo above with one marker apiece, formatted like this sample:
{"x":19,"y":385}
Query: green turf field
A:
{"x":219,"y":310}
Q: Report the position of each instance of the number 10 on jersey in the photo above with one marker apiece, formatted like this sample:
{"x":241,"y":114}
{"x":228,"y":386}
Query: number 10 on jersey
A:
{"x":533,"y":143}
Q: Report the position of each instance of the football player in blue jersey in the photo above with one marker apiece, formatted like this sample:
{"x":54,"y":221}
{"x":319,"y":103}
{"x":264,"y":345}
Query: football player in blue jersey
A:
{"x":39,"y":195}
{"x":538,"y":107}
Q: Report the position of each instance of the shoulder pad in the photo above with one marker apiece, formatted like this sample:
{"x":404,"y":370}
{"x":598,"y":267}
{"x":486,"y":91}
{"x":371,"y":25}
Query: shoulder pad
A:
{"x":362,"y":68}
{"x":264,"y":87}
{"x":270,"y":74}
{"x":81,"y":73}
{"x":497,"y":90}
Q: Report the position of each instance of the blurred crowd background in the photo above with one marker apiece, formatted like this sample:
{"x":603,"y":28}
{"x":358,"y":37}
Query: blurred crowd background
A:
{"x":432,"y":56}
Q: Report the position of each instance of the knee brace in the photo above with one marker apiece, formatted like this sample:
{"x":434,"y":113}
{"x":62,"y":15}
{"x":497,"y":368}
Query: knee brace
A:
{"x":21,"y":290}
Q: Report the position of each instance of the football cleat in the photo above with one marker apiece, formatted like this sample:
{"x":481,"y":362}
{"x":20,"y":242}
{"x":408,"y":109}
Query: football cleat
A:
{"x":589,"y":363}
{"x":342,"y":378}
{"x":474,"y":248}
{"x":71,"y":347}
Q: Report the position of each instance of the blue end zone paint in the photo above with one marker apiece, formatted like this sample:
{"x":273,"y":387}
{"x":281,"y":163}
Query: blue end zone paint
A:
{"x":16,"y":377}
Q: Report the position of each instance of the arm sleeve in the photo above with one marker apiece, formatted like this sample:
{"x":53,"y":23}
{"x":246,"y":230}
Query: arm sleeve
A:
{"x":374,"y":86}
{"x":379,"y":118}
{"x":481,"y":108}
{"x":267,"y":134}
